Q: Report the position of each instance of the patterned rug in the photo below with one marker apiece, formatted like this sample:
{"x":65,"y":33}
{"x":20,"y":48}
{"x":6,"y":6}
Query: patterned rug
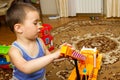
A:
{"x":103,"y":34}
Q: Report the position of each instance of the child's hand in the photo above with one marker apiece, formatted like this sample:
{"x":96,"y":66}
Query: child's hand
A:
{"x":57,"y":53}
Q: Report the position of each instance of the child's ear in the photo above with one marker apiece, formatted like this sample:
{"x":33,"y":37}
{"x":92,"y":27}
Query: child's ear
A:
{"x":18,"y":28}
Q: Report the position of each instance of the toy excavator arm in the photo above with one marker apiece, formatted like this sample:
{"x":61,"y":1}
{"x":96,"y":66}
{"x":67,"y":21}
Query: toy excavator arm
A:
{"x":67,"y":51}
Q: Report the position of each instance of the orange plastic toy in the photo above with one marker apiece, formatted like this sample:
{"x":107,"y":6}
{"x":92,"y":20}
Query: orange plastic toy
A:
{"x":89,"y":62}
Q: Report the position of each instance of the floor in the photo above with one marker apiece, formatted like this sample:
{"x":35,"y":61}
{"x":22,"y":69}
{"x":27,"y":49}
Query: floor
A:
{"x":104,"y":34}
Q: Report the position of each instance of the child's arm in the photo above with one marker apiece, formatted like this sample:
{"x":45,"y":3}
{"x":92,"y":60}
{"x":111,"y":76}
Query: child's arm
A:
{"x":33,"y":65}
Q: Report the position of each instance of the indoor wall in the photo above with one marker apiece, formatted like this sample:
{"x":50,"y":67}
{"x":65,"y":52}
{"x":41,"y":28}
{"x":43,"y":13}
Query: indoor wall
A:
{"x":49,"y":7}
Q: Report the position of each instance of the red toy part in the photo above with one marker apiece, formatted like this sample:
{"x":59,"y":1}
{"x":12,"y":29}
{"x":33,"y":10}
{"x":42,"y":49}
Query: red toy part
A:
{"x":46,"y":36}
{"x":47,"y":39}
{"x":5,"y":66}
{"x":45,"y":31}
{"x":51,"y":48}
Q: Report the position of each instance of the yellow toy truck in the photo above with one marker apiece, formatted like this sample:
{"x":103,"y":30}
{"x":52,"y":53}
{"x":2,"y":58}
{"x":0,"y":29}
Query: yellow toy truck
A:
{"x":89,"y":62}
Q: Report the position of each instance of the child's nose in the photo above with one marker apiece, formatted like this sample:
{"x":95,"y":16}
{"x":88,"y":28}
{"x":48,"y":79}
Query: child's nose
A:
{"x":40,"y":26}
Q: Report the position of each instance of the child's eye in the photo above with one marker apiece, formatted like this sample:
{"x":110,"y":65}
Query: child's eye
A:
{"x":35,"y":23}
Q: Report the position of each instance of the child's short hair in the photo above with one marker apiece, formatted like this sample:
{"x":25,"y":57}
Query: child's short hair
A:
{"x":17,"y":13}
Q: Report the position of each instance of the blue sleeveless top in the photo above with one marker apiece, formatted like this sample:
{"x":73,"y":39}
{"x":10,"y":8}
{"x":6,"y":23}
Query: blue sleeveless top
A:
{"x":34,"y":76}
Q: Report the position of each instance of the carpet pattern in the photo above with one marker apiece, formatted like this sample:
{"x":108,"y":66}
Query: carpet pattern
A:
{"x":5,"y":74}
{"x":102,"y":34}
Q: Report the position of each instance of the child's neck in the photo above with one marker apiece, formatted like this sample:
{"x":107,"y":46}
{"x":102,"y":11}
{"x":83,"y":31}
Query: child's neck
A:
{"x":26,"y":41}
{"x":29,"y":45}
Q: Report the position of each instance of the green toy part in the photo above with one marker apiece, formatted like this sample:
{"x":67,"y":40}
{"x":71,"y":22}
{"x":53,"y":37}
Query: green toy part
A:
{"x":4,"y":49}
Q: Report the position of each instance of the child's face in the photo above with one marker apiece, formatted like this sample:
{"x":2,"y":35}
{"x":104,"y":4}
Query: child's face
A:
{"x":30,"y":28}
